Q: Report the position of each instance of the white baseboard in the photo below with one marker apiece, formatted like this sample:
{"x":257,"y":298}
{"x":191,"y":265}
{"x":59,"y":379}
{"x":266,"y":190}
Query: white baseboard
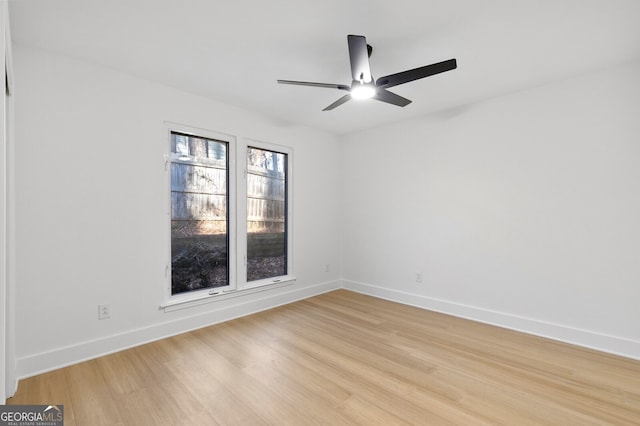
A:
{"x":235,"y":308}
{"x":241,"y":306}
{"x":602,"y":342}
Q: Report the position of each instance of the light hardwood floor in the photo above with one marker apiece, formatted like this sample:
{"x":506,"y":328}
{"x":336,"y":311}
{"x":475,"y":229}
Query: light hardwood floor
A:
{"x":344,"y":358}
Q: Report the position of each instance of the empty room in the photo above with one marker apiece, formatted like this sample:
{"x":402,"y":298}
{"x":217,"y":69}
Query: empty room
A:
{"x":332,"y":213}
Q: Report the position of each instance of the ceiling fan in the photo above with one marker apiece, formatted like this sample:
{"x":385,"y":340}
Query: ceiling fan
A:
{"x":363,"y":86}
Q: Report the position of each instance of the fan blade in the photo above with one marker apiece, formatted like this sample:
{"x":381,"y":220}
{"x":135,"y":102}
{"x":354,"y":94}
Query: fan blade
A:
{"x":416,"y":73}
{"x":339,"y":102}
{"x":308,"y":83}
{"x":391,"y":98}
{"x":359,"y":58}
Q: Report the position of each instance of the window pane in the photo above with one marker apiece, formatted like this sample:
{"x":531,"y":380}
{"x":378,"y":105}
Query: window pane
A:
{"x":266,"y":214}
{"x":199,"y":242}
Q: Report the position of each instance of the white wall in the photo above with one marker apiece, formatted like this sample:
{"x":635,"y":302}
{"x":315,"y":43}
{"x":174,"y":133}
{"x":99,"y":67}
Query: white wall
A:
{"x":521,"y":211}
{"x":91,"y":199}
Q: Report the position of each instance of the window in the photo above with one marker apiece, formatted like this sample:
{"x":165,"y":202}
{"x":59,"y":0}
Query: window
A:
{"x":266,"y":214}
{"x":225,"y":236}
{"x":199,"y":215}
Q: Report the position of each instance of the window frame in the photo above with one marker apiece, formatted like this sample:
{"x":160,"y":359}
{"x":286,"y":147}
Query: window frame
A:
{"x":236,"y":220}
{"x":243,"y":171}
{"x":231,"y":141}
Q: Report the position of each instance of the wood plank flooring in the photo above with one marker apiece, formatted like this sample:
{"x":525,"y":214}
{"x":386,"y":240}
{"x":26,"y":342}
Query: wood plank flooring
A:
{"x":344,"y":358}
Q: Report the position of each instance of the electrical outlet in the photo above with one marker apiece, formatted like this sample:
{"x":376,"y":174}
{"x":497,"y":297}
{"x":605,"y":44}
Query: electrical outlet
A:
{"x":327,"y":267}
{"x":104,"y":312}
{"x":418,"y":277}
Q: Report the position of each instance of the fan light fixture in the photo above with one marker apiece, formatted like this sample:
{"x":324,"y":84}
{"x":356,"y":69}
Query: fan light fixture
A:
{"x":363,"y":91}
{"x":362,"y":83}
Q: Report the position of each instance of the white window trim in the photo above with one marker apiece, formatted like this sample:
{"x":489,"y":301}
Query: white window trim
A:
{"x":231,"y":213}
{"x":236,"y":224}
{"x":202,"y":299}
{"x":242,"y":213}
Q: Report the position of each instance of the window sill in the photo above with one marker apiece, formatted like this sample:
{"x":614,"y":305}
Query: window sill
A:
{"x":205,"y":297}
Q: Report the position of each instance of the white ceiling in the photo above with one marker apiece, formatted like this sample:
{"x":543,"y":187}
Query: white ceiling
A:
{"x":234,"y":51}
